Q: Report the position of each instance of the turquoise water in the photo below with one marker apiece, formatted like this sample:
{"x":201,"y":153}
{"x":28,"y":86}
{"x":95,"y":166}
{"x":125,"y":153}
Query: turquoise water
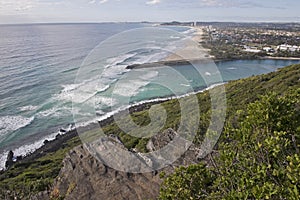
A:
{"x":229,"y":70}
{"x":39,"y":64}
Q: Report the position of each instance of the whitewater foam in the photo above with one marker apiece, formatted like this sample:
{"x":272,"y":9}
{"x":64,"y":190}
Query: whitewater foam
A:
{"x":28,"y":108}
{"x":26,"y":149}
{"x":125,"y":107}
{"x":53,"y":112}
{"x":80,"y":92}
{"x":232,"y":68}
{"x":12,"y":123}
{"x":186,"y":85}
{"x":128,"y":87}
{"x":107,"y":101}
{"x":119,"y":59}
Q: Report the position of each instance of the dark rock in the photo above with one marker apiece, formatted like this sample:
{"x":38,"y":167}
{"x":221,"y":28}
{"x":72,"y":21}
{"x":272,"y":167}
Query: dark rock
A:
{"x":160,"y":140}
{"x":9,"y":161}
{"x":19,"y":158}
{"x":46,"y":142}
{"x":58,"y":136}
{"x":62,"y":130}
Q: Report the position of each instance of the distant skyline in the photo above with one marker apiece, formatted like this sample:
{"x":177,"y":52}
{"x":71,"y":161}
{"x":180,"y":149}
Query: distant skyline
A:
{"x":60,"y":11}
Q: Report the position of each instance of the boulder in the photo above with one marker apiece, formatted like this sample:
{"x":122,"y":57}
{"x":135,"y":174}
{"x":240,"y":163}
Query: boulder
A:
{"x":9,"y":161}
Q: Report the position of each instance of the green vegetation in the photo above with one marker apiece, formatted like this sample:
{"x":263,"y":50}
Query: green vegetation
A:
{"x":191,"y":182}
{"x":258,"y":153}
{"x":242,"y":164}
{"x":25,"y":179}
{"x":257,"y":156}
{"x":224,"y":51}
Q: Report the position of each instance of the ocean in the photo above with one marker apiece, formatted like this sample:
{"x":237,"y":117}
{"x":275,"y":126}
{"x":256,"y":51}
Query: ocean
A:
{"x":40,"y":63}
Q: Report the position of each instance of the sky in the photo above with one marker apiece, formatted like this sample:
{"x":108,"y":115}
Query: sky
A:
{"x":56,"y":11}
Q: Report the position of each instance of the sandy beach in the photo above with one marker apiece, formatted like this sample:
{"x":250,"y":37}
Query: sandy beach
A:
{"x":280,"y":58}
{"x":192,"y":49}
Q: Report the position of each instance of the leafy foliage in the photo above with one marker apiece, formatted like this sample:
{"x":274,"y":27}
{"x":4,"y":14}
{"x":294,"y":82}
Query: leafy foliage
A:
{"x":278,"y":135}
{"x":191,"y":182}
{"x":257,"y":160}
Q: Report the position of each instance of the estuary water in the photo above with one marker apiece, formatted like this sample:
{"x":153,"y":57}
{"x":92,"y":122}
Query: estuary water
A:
{"x":39,"y":64}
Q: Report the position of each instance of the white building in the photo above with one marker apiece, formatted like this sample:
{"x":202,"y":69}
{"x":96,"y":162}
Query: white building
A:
{"x":286,"y":47}
{"x":251,"y":49}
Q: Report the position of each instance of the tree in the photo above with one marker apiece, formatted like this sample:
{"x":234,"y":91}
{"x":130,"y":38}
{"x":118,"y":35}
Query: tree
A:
{"x":258,"y":160}
{"x":191,"y":182}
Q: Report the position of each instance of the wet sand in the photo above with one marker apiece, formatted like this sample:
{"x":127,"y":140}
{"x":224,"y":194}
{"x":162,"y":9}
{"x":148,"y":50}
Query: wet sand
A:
{"x":192,"y":49}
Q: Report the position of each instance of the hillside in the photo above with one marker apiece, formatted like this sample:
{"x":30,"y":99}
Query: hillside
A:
{"x":257,"y":156}
{"x":211,"y":178}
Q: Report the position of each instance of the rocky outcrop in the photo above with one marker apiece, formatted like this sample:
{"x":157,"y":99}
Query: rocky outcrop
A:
{"x":9,"y":161}
{"x":180,"y":62}
{"x":84,"y":177}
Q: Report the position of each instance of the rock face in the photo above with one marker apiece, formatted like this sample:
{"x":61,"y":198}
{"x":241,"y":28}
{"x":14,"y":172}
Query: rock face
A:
{"x":84,"y":177}
{"x":159,"y":141}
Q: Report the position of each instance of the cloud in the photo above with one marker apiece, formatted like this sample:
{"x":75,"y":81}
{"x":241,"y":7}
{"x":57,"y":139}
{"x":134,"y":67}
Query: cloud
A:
{"x":153,"y":2}
{"x":99,"y":2}
{"x":228,"y":3}
{"x":22,"y":6}
{"x":103,"y":1}
{"x":212,"y":3}
{"x":17,"y":5}
{"x":92,"y":2}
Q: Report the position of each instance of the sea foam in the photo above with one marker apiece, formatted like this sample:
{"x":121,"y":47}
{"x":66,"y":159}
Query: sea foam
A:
{"x":13,"y":123}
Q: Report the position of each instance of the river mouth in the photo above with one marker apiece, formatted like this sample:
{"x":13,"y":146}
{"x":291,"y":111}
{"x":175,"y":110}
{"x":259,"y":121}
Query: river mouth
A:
{"x":38,"y":72}
{"x":229,"y":70}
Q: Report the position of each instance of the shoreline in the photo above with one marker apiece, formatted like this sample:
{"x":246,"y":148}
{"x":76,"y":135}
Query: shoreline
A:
{"x":279,"y":58}
{"x":181,"y":62}
{"x":55,"y":144}
{"x":103,"y":120}
{"x":59,"y":138}
{"x":192,"y":48}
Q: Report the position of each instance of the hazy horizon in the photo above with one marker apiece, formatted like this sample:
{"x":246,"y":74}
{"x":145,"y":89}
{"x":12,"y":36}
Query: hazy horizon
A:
{"x":101,"y":11}
{"x":153,"y":22}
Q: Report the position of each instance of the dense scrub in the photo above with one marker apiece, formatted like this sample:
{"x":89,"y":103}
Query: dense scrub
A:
{"x":258,"y":159}
{"x":25,"y":179}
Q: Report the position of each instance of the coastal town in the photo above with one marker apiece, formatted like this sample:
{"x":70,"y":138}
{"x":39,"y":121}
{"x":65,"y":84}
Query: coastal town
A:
{"x":227,"y":40}
{"x":69,"y":162}
{"x":253,"y":40}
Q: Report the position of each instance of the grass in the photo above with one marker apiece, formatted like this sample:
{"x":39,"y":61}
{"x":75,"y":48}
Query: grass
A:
{"x":28,"y":178}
